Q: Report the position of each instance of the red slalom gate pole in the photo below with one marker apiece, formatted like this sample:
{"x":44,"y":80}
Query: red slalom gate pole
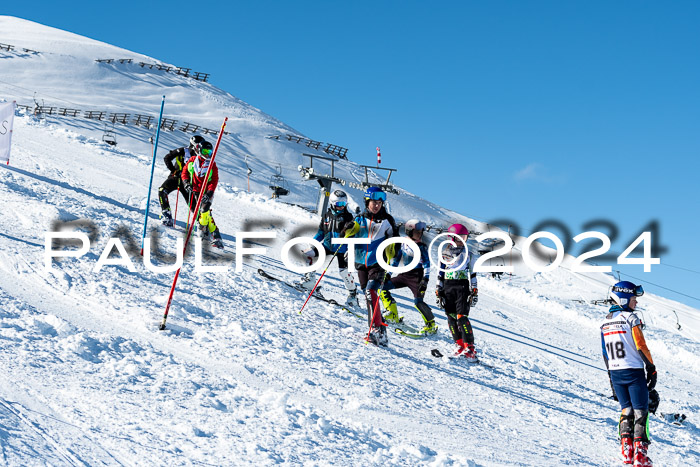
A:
{"x":189,"y":230}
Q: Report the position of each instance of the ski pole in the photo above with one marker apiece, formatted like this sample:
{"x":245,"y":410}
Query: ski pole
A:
{"x":153,"y":166}
{"x":177,"y":200}
{"x":189,"y":230}
{"x":189,"y":210}
{"x":319,"y":280}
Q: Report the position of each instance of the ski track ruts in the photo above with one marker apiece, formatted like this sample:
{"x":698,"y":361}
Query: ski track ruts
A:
{"x":228,"y":369}
{"x":180,"y":350}
{"x":66,"y":453}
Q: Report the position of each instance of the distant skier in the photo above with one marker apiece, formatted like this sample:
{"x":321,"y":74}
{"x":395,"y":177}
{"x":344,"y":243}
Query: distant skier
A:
{"x":626,"y":356}
{"x":416,"y":279}
{"x":175,"y":161}
{"x":193,"y":178}
{"x":376,"y":224}
{"x":456,"y":290}
{"x":331,"y":226}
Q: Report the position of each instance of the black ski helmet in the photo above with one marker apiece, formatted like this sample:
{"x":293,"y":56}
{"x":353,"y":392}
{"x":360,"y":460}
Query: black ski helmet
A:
{"x":196,"y":140}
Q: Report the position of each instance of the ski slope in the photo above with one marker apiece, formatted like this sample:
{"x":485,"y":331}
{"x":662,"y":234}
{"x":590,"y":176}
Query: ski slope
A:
{"x":240,"y":377}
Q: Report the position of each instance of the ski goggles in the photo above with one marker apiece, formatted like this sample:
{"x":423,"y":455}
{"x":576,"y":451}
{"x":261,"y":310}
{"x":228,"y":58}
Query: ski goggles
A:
{"x":637,"y":291}
{"x":340,"y":204}
{"x":377,"y":196}
{"x":420,"y":226}
{"x":206,"y":152}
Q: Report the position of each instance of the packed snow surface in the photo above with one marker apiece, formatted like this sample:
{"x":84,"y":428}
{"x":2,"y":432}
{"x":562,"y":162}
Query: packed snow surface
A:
{"x":240,"y":376}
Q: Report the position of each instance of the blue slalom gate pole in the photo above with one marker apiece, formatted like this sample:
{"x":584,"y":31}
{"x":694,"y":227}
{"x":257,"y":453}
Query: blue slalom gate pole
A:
{"x":153,"y":166}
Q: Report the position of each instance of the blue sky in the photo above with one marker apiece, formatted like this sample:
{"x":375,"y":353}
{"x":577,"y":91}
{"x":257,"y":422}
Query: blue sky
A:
{"x":527,"y":111}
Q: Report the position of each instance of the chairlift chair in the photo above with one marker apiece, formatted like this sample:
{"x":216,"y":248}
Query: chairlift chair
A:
{"x":278,"y":184}
{"x":109,"y":136}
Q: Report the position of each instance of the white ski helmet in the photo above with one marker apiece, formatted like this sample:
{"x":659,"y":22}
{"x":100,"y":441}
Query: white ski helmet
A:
{"x":338,"y":200}
{"x":413,"y":224}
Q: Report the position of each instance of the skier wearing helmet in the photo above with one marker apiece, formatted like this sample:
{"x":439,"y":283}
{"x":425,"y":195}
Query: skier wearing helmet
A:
{"x":416,"y":279}
{"x":193,"y":179}
{"x":330,"y":227}
{"x":626,"y":356}
{"x":456,"y":290}
{"x":376,"y":225}
{"x":175,"y":161}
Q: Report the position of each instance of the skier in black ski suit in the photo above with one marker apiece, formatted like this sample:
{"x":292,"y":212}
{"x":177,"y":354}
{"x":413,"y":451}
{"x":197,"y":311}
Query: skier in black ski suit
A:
{"x":175,"y":160}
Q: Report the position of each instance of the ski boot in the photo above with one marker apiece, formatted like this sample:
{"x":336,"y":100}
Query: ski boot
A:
{"x":640,"y":454}
{"x":351,"y":301}
{"x":470,"y":354}
{"x":627,"y":450}
{"x":378,"y":337}
{"x":203,"y":231}
{"x":307,"y":281}
{"x":429,"y":328}
{"x":166,"y":218}
{"x":390,"y":304}
{"x":460,"y":347}
{"x":216,"y":241}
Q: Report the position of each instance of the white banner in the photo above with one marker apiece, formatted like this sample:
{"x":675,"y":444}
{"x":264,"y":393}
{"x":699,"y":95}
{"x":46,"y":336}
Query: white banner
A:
{"x":7,"y":116}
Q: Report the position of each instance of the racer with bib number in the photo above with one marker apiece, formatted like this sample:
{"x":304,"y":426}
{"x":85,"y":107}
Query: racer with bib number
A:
{"x":456,"y":290}
{"x":193,"y":179}
{"x":376,"y":225}
{"x":626,"y":357}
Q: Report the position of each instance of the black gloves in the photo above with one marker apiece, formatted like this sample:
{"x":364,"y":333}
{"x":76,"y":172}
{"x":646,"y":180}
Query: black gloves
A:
{"x":422,"y":287}
{"x":188,"y":189}
{"x":206,"y":200}
{"x":651,"y":376}
{"x":440,"y":297}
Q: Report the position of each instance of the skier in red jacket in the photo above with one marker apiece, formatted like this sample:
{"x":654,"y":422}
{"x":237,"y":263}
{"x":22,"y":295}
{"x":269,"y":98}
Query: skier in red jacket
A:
{"x":193,"y":178}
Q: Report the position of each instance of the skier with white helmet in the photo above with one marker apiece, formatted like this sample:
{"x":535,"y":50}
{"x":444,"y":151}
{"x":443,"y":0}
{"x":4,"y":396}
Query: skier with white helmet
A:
{"x":456,"y":290}
{"x":416,"y":279}
{"x":626,"y":357}
{"x":330,"y":227}
{"x":175,"y":161}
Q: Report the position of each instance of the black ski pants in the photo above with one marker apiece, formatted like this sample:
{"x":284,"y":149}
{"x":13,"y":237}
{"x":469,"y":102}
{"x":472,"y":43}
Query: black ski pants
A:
{"x":170,"y":184}
{"x":457,"y":304}
{"x":411,"y":279}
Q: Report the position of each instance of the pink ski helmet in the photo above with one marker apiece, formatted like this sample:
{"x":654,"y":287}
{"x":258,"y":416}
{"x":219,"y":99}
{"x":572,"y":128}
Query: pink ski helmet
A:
{"x":458,"y":229}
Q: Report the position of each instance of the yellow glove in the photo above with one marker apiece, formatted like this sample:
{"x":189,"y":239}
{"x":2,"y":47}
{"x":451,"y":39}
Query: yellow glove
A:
{"x":390,"y":251}
{"x":351,"y":230}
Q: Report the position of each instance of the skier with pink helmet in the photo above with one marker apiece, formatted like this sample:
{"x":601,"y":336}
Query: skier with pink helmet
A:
{"x":456,"y":290}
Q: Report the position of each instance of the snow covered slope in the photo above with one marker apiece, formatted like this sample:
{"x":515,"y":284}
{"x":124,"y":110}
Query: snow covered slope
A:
{"x":240,"y":377}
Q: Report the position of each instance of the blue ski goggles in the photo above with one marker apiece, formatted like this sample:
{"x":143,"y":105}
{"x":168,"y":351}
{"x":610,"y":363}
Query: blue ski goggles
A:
{"x":377,"y":196}
{"x":637,"y":291}
{"x":340,"y":204}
